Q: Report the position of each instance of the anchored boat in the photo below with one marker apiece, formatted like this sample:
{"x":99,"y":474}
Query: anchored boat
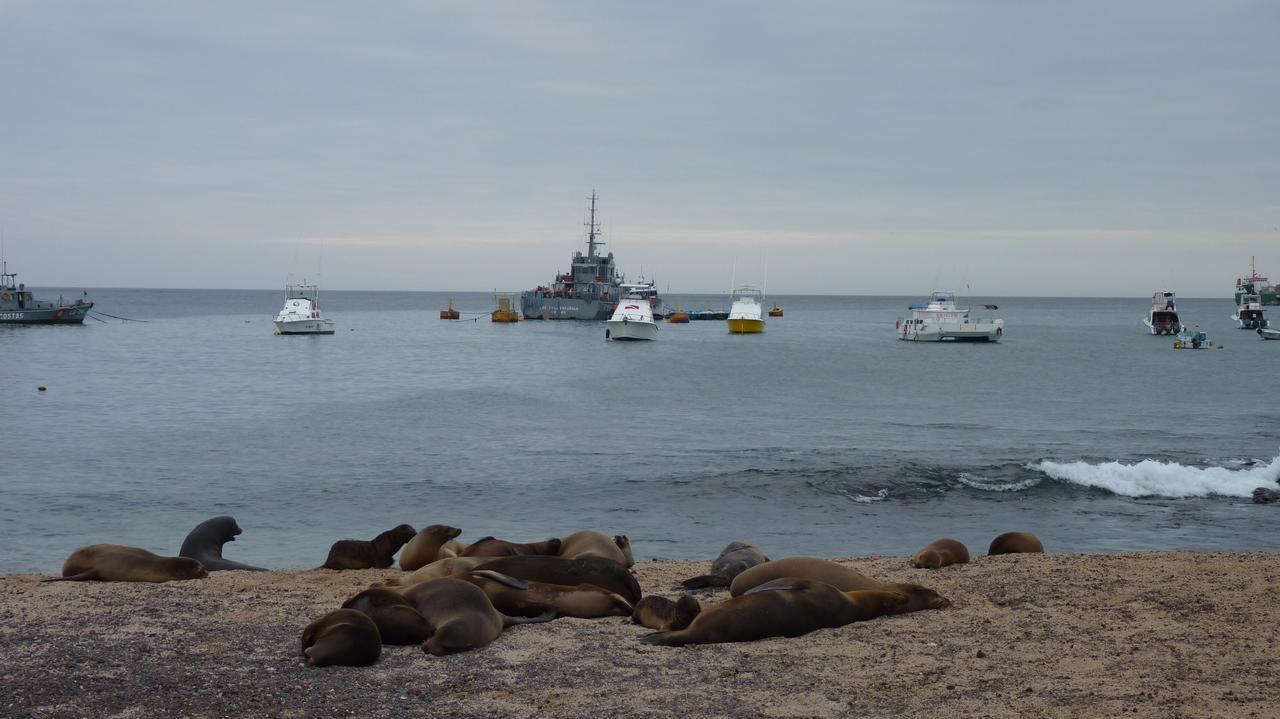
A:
{"x":745,"y":315}
{"x":1249,"y":315}
{"x":17,"y":306}
{"x":1191,"y":340}
{"x":504,"y":308}
{"x":942,"y":320}
{"x":301,"y":312}
{"x":632,"y":320}
{"x":1162,"y":318}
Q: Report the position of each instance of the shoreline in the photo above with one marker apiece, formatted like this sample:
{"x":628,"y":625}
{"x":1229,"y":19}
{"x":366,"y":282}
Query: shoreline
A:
{"x":1143,"y":634}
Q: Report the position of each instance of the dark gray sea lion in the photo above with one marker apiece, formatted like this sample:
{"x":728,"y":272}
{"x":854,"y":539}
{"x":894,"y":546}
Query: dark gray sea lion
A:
{"x":425,"y":546}
{"x":590,"y":543}
{"x":204,"y":544}
{"x":1262,"y":495}
{"x":782,"y":608}
{"x":397,"y":619}
{"x":665,"y":615}
{"x":604,"y":573}
{"x":734,"y":559}
{"x":343,"y":637}
{"x":1016,"y":543}
{"x":460,"y":615}
{"x":374,"y":554}
{"x":941,"y":553}
{"x":118,"y":563}
{"x":838,"y":576}
{"x":490,"y":547}
{"x":522,"y":598}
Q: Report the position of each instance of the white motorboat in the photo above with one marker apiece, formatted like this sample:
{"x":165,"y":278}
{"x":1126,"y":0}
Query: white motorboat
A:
{"x":1269,"y":334}
{"x":301,"y":312}
{"x":632,"y":319}
{"x":746,"y":316}
{"x":942,"y":320}
{"x":1249,"y":315}
{"x":1162,"y":318}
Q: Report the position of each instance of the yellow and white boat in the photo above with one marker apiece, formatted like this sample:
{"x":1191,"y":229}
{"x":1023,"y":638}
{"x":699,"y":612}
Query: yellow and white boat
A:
{"x":745,"y":314}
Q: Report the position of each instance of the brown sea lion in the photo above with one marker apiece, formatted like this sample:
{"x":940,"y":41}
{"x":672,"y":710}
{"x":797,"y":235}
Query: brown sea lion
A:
{"x":118,"y":563}
{"x":452,"y":548}
{"x":941,"y":553}
{"x":590,"y":543}
{"x":1016,"y":543}
{"x":435,"y":570}
{"x":734,"y":559}
{"x":783,"y":608}
{"x":604,"y":573}
{"x":460,"y":615}
{"x":375,"y":554}
{"x":665,"y":615}
{"x":425,"y":546}
{"x":398,"y":621}
{"x":490,"y":547}
{"x":530,"y":599}
{"x":204,"y":544}
{"x":838,"y":576}
{"x":344,"y":637}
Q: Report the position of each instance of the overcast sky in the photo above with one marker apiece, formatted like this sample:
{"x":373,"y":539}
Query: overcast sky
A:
{"x":1042,"y":148}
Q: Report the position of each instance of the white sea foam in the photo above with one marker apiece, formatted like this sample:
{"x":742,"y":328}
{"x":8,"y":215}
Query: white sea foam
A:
{"x":991,"y":485}
{"x":1150,"y":478}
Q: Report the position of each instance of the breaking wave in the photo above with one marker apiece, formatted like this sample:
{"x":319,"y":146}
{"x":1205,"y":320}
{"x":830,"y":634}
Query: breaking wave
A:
{"x":1150,"y":478}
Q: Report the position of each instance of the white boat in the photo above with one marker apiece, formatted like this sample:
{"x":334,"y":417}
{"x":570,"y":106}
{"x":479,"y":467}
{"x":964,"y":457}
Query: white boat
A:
{"x":301,"y":312}
{"x":746,"y":316}
{"x":1249,"y":315}
{"x":942,"y":320}
{"x":632,"y":319}
{"x":1269,"y":334}
{"x":1162,"y":318}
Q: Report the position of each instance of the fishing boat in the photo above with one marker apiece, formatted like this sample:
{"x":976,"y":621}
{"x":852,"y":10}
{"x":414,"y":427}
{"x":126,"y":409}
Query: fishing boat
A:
{"x":504,"y":310}
{"x":301,"y":312}
{"x":745,"y":315}
{"x":1191,"y":340}
{"x":1269,"y":333}
{"x":1162,"y":318}
{"x":941,"y":319}
{"x":449,"y":313}
{"x":775,"y":311}
{"x":632,"y":320}
{"x":1256,"y":284}
{"x":1249,"y":314}
{"x":18,"y":307}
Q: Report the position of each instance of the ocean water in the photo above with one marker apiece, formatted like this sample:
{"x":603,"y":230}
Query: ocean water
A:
{"x":823,"y":436}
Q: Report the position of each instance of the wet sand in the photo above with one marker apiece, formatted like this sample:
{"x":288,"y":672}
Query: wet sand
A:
{"x":1147,"y":635}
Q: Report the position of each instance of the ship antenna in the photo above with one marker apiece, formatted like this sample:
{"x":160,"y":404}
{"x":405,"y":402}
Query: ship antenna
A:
{"x":593,"y":228}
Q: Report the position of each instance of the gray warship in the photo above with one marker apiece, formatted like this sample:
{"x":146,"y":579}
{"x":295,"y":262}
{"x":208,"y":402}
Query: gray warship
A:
{"x":17,"y":306}
{"x":588,"y":291}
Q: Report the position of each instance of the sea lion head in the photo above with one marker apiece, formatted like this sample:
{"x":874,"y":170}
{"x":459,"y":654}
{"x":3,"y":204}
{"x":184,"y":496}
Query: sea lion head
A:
{"x":927,"y":559}
{"x":443,"y":530}
{"x":403,"y":533}
{"x":919,"y":597}
{"x":188,"y":568}
{"x":625,"y":545}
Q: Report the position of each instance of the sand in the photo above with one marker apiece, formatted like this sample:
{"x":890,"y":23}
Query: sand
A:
{"x":1146,"y":635}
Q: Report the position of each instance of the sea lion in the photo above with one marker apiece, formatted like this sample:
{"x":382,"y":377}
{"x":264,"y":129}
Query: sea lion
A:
{"x":1016,"y":543}
{"x":784,"y":608}
{"x":490,"y":547}
{"x":118,"y":563}
{"x":941,"y":553}
{"x":204,"y":544}
{"x":425,"y":546}
{"x":838,"y":576}
{"x":530,"y":599}
{"x":590,"y":543}
{"x":665,"y":615}
{"x":344,"y":637}
{"x":361,"y":554}
{"x":460,"y":615}
{"x":435,"y":570}
{"x":604,"y":573}
{"x":398,"y":621}
{"x":733,"y":560}
{"x":452,"y":548}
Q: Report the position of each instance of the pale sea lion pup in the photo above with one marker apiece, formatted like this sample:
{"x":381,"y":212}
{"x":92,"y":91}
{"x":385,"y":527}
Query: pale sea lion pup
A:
{"x":435,"y":570}
{"x":374,"y":554}
{"x":118,"y":563}
{"x":1016,"y":543}
{"x":604,"y":573}
{"x":665,"y":615}
{"x":941,"y":553}
{"x":734,"y":559}
{"x":491,"y":547}
{"x":398,"y":621}
{"x":452,"y":548}
{"x":783,"y":608}
{"x":425,"y":546}
{"x":345,"y":637}
{"x":590,"y":543}
{"x":204,"y":544}
{"x":460,"y":614}
{"x":525,"y":599}
{"x":838,"y":576}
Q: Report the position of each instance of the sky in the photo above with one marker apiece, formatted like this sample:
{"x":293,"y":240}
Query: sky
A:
{"x":1016,"y":148}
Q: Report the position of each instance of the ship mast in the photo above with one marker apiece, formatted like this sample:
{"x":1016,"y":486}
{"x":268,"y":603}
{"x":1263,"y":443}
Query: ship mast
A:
{"x":593,"y":228}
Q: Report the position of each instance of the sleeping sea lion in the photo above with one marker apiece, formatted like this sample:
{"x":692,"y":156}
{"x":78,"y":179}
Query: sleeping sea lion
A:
{"x":604,"y":573}
{"x":204,"y":544}
{"x":361,"y":554}
{"x":452,"y":548}
{"x":530,"y":599}
{"x":425,"y":546}
{"x":118,"y":563}
{"x":838,"y":576}
{"x":590,"y":543}
{"x":784,"y":608}
{"x":941,"y":553}
{"x":490,"y":547}
{"x":665,"y":615}
{"x":460,"y":615}
{"x":435,"y":570}
{"x":344,"y":637}
{"x":1016,"y":543}
{"x":733,"y":560}
{"x":398,"y":621}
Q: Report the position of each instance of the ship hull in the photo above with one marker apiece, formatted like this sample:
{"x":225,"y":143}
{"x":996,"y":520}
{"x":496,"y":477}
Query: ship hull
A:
{"x":68,"y":315}
{"x":305,"y":327}
{"x":535,"y":307}
{"x":745,"y":326}
{"x":623,"y":330}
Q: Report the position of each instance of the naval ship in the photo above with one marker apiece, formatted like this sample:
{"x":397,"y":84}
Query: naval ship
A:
{"x":17,"y":306}
{"x":588,"y":291}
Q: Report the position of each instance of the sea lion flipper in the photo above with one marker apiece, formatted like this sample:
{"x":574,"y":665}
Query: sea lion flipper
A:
{"x":706,"y":580}
{"x":508,"y":621}
{"x":85,"y":576}
{"x":665,"y":639}
{"x":781,"y":585}
{"x":500,"y":578}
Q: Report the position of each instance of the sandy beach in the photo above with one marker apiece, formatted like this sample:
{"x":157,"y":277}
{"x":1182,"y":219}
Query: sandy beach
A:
{"x":1147,"y":635}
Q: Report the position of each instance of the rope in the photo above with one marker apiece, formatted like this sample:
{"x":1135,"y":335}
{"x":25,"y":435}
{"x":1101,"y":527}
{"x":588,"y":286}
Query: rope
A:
{"x":114,"y":317}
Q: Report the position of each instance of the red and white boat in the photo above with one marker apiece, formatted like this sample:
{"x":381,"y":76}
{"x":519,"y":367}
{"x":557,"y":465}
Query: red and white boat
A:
{"x":632,"y":319}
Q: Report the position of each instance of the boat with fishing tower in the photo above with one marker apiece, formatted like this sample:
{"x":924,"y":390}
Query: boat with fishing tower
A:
{"x":1162,"y":317}
{"x":942,"y":319}
{"x":19,"y":307}
{"x":745,"y":314}
{"x":301,"y":312}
